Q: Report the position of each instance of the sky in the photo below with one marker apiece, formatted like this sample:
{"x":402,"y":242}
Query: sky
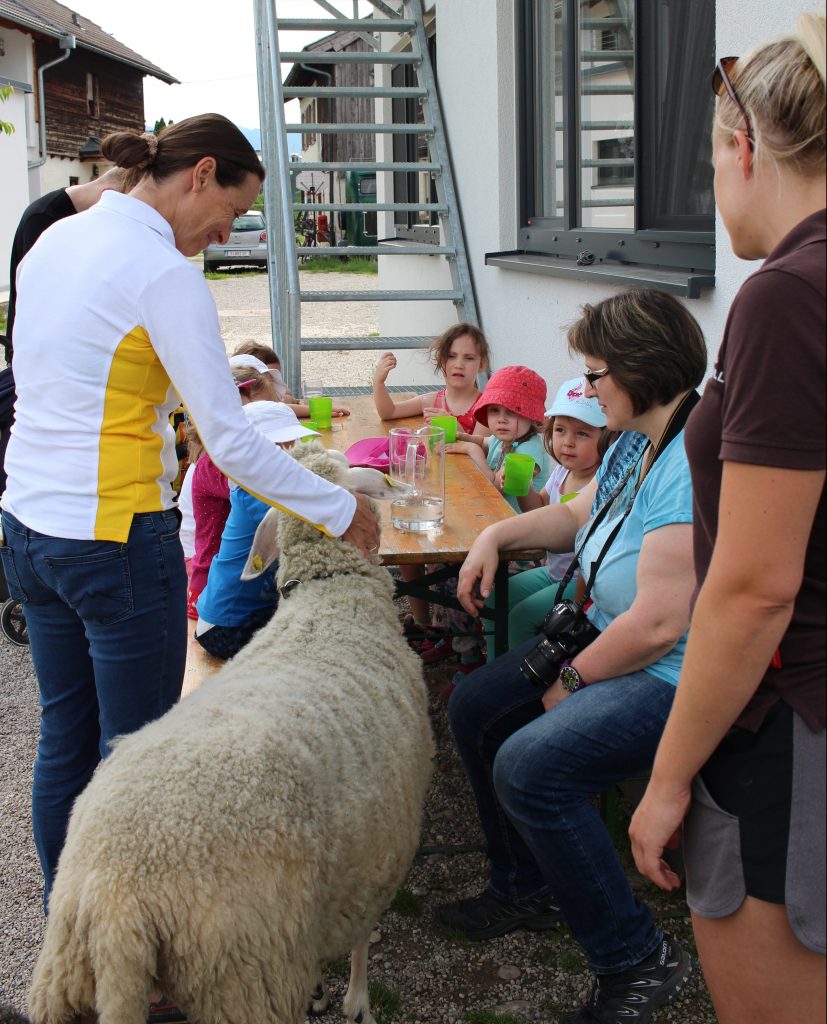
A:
{"x":208,"y":45}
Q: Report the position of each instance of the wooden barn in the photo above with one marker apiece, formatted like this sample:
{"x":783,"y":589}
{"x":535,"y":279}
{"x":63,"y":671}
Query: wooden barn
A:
{"x":72,"y":84}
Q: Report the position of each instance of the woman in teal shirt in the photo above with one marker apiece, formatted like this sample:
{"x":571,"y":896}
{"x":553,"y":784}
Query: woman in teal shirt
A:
{"x":537,"y":755}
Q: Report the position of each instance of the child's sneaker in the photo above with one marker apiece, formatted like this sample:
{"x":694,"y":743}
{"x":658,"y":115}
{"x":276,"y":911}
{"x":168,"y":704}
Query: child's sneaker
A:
{"x":165,"y":1012}
{"x":434,"y":651}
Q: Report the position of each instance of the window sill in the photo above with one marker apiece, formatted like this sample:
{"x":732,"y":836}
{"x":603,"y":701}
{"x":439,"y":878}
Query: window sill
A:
{"x":687,"y":283}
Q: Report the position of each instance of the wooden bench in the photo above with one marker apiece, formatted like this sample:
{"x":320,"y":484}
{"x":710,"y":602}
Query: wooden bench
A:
{"x":199,"y":663}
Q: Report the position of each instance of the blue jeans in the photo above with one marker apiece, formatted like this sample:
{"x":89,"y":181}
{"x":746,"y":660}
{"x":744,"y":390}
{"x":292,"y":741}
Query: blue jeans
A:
{"x":534,"y":775}
{"x":108,"y":633}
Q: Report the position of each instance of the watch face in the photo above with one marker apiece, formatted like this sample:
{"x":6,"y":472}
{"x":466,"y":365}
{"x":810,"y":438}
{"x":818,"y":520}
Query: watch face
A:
{"x":570,"y":679}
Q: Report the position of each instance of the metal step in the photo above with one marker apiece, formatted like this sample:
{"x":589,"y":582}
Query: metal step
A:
{"x":410,"y":389}
{"x":342,"y":24}
{"x":429,"y":295}
{"x":326,"y":165}
{"x":359,"y":129}
{"x":316,"y":57}
{"x":396,"y":92}
{"x":372,"y":207}
{"x":401,"y":249}
{"x":382,"y":344}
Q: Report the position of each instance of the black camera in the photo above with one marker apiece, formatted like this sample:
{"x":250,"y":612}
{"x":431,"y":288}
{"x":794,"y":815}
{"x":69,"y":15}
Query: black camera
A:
{"x":566,"y":632}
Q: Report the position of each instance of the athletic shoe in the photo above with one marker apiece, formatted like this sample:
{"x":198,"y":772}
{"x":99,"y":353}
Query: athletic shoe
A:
{"x":485,"y":916}
{"x":634,"y":995}
{"x":165,"y":1012}
{"x":434,"y":651}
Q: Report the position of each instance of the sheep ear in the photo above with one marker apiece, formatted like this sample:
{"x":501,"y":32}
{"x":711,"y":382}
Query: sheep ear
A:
{"x":265,"y":549}
{"x":373,"y":483}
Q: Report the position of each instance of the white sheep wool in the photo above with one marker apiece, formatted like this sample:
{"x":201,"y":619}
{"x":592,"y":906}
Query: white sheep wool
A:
{"x":262,"y":825}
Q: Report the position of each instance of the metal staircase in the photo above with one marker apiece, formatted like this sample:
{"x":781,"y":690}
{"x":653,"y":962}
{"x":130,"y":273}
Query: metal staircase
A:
{"x":405,"y":19}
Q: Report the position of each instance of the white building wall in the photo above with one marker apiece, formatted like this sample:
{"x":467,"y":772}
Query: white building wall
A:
{"x":16,"y":64}
{"x":57,"y":171}
{"x":525,"y":315}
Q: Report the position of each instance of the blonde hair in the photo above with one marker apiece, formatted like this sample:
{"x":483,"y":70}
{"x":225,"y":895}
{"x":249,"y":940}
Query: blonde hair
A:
{"x":254,"y":386}
{"x":781,"y":84}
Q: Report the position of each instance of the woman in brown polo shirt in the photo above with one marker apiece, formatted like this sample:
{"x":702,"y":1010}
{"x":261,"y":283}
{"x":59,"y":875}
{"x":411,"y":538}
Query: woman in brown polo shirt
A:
{"x":749,"y":714}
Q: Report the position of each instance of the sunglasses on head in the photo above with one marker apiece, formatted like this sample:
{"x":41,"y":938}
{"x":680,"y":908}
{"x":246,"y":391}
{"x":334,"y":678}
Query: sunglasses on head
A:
{"x":594,"y":375}
{"x":721,"y":84}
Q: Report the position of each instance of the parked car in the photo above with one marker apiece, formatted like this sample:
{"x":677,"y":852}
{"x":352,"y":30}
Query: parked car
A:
{"x":247,"y":244}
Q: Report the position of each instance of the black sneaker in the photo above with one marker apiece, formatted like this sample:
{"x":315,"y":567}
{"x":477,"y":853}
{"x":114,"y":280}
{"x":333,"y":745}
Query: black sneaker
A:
{"x":485,"y":916}
{"x":634,"y":995}
{"x":165,"y":1012}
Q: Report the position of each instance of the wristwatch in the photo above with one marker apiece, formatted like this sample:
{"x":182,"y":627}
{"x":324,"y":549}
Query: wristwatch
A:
{"x":570,"y":678}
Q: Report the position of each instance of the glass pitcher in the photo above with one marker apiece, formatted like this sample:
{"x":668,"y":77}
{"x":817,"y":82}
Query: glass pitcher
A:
{"x":417,"y":459}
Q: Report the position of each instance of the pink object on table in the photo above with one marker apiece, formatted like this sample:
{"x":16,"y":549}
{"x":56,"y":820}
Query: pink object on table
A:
{"x":371,"y":452}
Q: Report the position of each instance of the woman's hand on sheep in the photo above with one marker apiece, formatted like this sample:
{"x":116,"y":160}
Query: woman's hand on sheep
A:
{"x":480,"y":566}
{"x":364,"y":531}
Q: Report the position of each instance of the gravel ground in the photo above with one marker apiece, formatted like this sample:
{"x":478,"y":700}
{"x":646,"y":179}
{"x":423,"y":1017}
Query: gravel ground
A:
{"x":418,"y":975}
{"x":244,"y":314}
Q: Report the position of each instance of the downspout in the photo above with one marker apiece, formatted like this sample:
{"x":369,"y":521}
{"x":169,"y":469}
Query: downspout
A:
{"x":67,"y":43}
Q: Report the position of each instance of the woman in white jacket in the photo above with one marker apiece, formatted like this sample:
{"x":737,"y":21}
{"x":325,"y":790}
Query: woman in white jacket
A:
{"x":115,"y":327}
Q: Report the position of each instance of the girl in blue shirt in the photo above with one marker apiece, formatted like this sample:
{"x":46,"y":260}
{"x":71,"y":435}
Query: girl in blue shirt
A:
{"x":231,"y":610}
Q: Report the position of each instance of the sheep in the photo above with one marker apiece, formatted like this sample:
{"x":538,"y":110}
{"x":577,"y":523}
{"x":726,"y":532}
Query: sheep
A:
{"x":260,"y":827}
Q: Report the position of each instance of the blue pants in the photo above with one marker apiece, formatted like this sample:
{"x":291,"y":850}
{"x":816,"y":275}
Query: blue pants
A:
{"x":534,"y":776}
{"x":108,"y":633}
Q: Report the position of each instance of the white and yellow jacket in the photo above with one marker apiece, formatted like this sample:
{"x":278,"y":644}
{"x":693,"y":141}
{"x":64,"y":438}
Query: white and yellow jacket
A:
{"x":113,"y":324}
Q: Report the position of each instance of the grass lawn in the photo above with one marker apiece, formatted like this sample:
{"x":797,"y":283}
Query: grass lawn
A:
{"x":340,"y":265}
{"x":223,"y":275}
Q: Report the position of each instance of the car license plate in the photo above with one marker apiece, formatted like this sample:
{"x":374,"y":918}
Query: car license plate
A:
{"x":236,"y":252}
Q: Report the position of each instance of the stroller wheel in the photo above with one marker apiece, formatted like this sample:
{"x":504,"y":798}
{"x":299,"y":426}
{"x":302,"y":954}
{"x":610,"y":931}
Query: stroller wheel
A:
{"x":13,"y":623}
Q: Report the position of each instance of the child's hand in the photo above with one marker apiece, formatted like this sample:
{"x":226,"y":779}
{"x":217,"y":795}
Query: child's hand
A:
{"x":428,"y":411}
{"x":499,"y":477}
{"x":339,"y":410}
{"x":460,"y":448}
{"x":387,"y":362}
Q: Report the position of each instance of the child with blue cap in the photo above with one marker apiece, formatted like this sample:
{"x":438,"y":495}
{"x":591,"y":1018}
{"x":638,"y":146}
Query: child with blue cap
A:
{"x":576,"y":437}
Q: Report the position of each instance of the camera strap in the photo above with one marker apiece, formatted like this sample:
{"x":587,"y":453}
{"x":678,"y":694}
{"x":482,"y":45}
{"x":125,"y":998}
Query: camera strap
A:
{"x":676,"y":423}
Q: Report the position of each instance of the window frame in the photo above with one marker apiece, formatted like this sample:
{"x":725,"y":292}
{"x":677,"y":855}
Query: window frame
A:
{"x":691,"y":250}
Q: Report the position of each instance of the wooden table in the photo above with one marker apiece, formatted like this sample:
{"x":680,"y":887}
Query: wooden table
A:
{"x":471,"y":504}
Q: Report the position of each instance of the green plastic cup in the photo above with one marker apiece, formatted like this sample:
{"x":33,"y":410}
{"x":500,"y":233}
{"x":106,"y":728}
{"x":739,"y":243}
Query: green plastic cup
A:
{"x":448,"y":424}
{"x":311,"y":425}
{"x":321,"y":412}
{"x":519,"y":472}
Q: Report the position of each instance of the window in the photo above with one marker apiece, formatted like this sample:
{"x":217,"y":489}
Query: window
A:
{"x":309,"y":116}
{"x":92,"y":95}
{"x":615,"y":121}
